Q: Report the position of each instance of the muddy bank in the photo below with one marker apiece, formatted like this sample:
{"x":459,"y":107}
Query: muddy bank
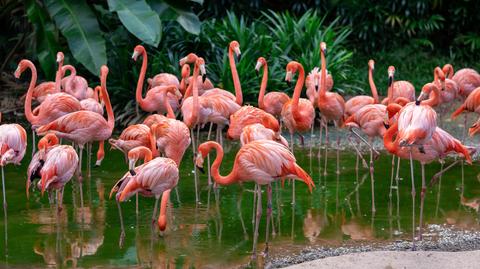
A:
{"x":439,"y":238}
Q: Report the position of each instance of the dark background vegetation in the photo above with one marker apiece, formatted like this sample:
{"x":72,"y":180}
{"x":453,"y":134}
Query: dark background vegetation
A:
{"x":414,"y":36}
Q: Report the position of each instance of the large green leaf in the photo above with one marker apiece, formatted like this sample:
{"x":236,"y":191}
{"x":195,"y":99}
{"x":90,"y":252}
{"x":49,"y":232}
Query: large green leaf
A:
{"x":46,"y":38}
{"x":189,"y":22}
{"x":139,"y":19}
{"x":79,"y":25}
{"x":179,"y":10}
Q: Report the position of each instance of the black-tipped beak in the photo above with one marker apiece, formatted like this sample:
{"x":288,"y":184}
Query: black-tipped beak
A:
{"x":289,"y":83}
{"x":417,"y":102}
{"x":239,"y":57}
{"x":132,"y":172}
{"x":390,"y":81}
{"x":325,"y":52}
{"x":386,"y":125}
{"x":201,"y":169}
{"x":204,"y":77}
{"x":256,"y":71}
{"x":316,"y":88}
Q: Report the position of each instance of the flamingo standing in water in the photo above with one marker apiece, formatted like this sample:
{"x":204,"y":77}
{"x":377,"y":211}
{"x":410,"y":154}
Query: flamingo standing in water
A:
{"x":467,"y":79}
{"x":13,"y":144}
{"x":298,"y":114}
{"x":398,"y":91}
{"x":153,"y":100}
{"x":261,"y":161}
{"x":133,"y":136}
{"x":258,"y":131}
{"x":471,"y":104}
{"x":312,"y":90}
{"x":187,"y":79}
{"x":271,"y":102}
{"x":33,"y":171}
{"x":359,"y":101}
{"x":331,"y":106}
{"x":82,"y":127}
{"x":155,"y":177}
{"x":53,"y":107}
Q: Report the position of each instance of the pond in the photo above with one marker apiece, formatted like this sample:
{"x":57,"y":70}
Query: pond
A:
{"x":210,"y":234}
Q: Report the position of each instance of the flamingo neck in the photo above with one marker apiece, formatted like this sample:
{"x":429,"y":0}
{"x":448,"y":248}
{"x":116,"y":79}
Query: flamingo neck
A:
{"x":28,"y":100}
{"x":162,"y":218}
{"x":373,"y":88}
{"x":323,"y":76}
{"x":106,"y":100}
{"x":390,"y":91}
{"x":388,"y":141}
{"x":194,"y":90}
{"x":141,"y":78}
{"x":263,"y":87}
{"x":236,"y":79}
{"x":153,"y":143}
{"x":297,"y":92}
{"x":434,"y":96}
{"x":223,"y":180}
{"x":58,"y":76}
{"x":448,"y":70}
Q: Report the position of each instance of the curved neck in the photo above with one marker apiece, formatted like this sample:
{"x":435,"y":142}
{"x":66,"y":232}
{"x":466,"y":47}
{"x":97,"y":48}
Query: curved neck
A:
{"x":436,"y":74}
{"x":434,"y":96}
{"x":223,"y":180}
{"x":193,"y":88}
{"x":388,"y":141}
{"x":263,"y":87}
{"x":96,"y":93}
{"x":162,"y":218}
{"x":323,"y":76}
{"x":106,"y":100}
{"x":166,"y":103}
{"x":236,"y":79}
{"x":297,"y":92}
{"x":58,"y":76}
{"x":141,"y":78}
{"x":373,"y":88}
{"x":448,"y":70}
{"x":28,"y":100}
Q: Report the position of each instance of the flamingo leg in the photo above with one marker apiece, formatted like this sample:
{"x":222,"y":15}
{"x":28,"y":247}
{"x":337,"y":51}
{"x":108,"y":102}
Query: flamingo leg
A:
{"x":397,"y":181}
{"x":338,"y":155}
{"x":122,"y":232}
{"x":293,"y":181}
{"x":372,"y":180}
{"x":439,"y":174}
{"x":311,"y":140}
{"x":208,"y":156}
{"x":136,"y":203}
{"x":254,"y":205}
{"x":269,"y":216}
{"x":326,"y":150}
{"x":155,"y":208}
{"x":89,"y":159}
{"x":195,"y":172}
{"x":413,"y":199}
{"x":320,"y":142}
{"x":392,"y":175}
{"x":101,"y":145}
{"x":439,"y":191}
{"x":257,"y":221}
{"x":3,"y":192}
{"x":364,"y":141}
{"x":80,"y":178}
{"x":422,"y":200}
{"x":359,"y":154}
{"x":60,"y":200}
{"x":239,"y":209}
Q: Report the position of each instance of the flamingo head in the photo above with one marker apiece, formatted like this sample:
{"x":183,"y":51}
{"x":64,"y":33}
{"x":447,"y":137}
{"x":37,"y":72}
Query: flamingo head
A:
{"x":137,"y":51}
{"x":235,"y":46}
{"x":391,"y":73}
{"x":201,"y":64}
{"x":260,"y":62}
{"x":474,"y":129}
{"x":371,"y":64}
{"x":60,"y":57}
{"x":292,"y":68}
{"x":185,"y":71}
{"x":190,"y":58}
{"x":323,"y":48}
{"x":104,"y":70}
{"x":21,"y":67}
{"x":49,"y":140}
{"x":199,"y":159}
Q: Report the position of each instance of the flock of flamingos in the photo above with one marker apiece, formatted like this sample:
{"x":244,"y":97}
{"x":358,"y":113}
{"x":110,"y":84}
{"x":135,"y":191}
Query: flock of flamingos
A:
{"x":68,"y":109}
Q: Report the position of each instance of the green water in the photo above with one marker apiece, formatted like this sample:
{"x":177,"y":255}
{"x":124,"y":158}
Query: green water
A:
{"x":210,"y":234}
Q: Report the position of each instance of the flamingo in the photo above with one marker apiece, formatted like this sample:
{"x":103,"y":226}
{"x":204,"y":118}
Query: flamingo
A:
{"x":271,"y":102}
{"x":258,"y":131}
{"x":82,"y":127}
{"x":163,"y":79}
{"x":312,"y":92}
{"x":297,"y":114}
{"x":33,"y":171}
{"x":330,"y":104}
{"x":247,"y":115}
{"x":437,"y":147}
{"x":133,"y":136}
{"x":357,"y":102}
{"x":467,"y":79}
{"x":199,"y":110}
{"x":156,"y":178}
{"x":187,"y":79}
{"x":261,"y":161}
{"x":449,"y":87}
{"x":13,"y":144}
{"x":53,"y":107}
{"x":398,"y":91}
{"x":75,"y":85}
{"x":153,"y":100}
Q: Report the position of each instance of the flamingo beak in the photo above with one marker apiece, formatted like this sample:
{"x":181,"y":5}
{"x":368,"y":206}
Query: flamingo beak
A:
{"x":131,"y":166}
{"x":473,"y":130}
{"x":288,"y":78}
{"x":199,"y":162}
{"x":257,"y":67}
{"x":17,"y":72}
{"x":390,"y":80}
{"x":315,"y":82}
{"x":183,"y":61}
{"x":238,"y":53}
{"x":325,"y":51}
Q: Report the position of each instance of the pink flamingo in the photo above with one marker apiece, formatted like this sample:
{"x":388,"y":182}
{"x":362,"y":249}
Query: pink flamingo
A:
{"x":247,"y":115}
{"x":77,"y":86}
{"x":187,"y":79}
{"x":312,"y":92}
{"x":331,"y":106}
{"x":467,"y":79}
{"x":398,"y":91}
{"x":153,"y":178}
{"x":163,"y":79}
{"x":298,"y":114}
{"x":53,"y":107}
{"x":471,"y":104}
{"x":257,"y":131}
{"x":13,"y":144}
{"x":437,"y":147}
{"x":133,"y":136}
{"x":357,"y":102}
{"x":261,"y":161}
{"x":82,"y":127}
{"x":153,"y":100}
{"x":271,"y":102}
{"x":33,"y":171}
